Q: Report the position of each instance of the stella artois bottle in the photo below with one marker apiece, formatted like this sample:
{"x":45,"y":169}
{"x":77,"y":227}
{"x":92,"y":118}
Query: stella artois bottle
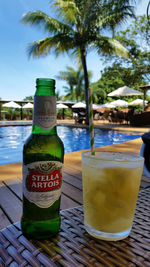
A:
{"x":43,"y":156}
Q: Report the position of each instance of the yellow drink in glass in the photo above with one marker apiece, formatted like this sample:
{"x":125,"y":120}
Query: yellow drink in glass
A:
{"x":110,"y":189}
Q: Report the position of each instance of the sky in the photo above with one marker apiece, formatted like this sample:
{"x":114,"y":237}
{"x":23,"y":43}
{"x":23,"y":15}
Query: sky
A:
{"x":18,"y":73}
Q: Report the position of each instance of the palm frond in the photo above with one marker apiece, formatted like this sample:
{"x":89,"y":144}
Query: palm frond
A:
{"x":106,"y":45}
{"x":117,"y":13}
{"x":67,"y":10}
{"x":38,"y":48}
{"x":38,"y":18}
{"x":93,"y":12}
{"x":59,"y":43}
{"x":77,"y":54}
{"x":62,"y":43}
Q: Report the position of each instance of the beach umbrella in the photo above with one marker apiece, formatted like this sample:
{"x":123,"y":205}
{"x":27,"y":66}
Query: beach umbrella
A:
{"x":125,"y":91}
{"x":28,"y":106}
{"x":79,"y":105}
{"x":11,"y":104}
{"x":61,"y":106}
{"x":138,"y":102}
{"x":95,"y":106}
{"x":108,"y":105}
{"x":119,"y":103}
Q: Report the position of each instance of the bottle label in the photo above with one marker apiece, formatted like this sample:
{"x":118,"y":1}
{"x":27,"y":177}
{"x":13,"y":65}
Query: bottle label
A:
{"x":42,"y":182}
{"x":44,"y":112}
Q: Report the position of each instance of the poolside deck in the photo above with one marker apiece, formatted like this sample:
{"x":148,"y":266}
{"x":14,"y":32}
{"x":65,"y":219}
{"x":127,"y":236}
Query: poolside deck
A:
{"x":11,"y":183}
{"x":104,"y":124}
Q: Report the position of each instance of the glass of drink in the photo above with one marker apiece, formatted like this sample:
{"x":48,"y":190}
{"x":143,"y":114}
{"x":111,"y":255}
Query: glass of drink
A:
{"x":111,"y":183}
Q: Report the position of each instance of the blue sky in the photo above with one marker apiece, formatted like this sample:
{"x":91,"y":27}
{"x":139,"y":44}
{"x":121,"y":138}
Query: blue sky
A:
{"x":17,"y":72}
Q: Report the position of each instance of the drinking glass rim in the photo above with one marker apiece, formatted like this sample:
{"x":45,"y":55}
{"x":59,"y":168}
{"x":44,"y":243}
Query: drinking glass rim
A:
{"x":132,"y":157}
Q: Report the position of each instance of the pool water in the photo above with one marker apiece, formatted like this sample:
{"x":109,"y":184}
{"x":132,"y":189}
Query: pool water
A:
{"x":12,"y":139}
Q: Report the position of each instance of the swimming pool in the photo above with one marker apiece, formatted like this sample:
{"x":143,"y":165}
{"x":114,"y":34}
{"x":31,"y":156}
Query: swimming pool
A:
{"x":74,"y":138}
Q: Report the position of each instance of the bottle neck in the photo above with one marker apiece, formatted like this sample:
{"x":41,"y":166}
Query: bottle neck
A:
{"x":44,"y":116}
{"x":44,"y":90}
{"x":37,"y":130}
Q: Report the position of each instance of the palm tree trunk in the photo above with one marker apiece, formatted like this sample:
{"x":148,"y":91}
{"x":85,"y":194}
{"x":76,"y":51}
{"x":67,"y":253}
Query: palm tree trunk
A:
{"x":86,"y":82}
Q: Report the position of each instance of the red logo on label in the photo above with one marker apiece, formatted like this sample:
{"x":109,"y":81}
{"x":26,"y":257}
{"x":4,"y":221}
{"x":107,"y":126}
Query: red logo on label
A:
{"x":44,"y":182}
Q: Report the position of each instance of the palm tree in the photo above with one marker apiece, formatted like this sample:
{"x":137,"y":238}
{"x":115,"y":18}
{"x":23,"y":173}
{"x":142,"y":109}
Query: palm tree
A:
{"x":58,"y":96}
{"x":80,"y":27}
{"x":70,"y":77}
{"x":75,"y":81}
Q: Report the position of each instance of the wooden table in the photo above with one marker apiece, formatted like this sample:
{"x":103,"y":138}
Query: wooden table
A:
{"x":11,"y":195}
{"x":73,"y":247}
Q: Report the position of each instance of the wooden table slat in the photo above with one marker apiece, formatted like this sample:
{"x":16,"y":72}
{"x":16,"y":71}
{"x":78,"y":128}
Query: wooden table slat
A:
{"x":72,"y":192}
{"x":15,"y":185}
{"x":4,"y":221}
{"x":70,"y":170}
{"x":67,"y":203}
{"x":10,"y":203}
{"x":71,"y":179}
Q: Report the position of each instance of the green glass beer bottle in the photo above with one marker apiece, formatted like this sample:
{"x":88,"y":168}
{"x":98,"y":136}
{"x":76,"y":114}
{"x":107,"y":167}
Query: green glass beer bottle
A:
{"x":43,"y":156}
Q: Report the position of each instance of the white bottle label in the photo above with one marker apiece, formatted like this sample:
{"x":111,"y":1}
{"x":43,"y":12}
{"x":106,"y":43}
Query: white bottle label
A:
{"x":42,"y":182}
{"x":44,"y":112}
